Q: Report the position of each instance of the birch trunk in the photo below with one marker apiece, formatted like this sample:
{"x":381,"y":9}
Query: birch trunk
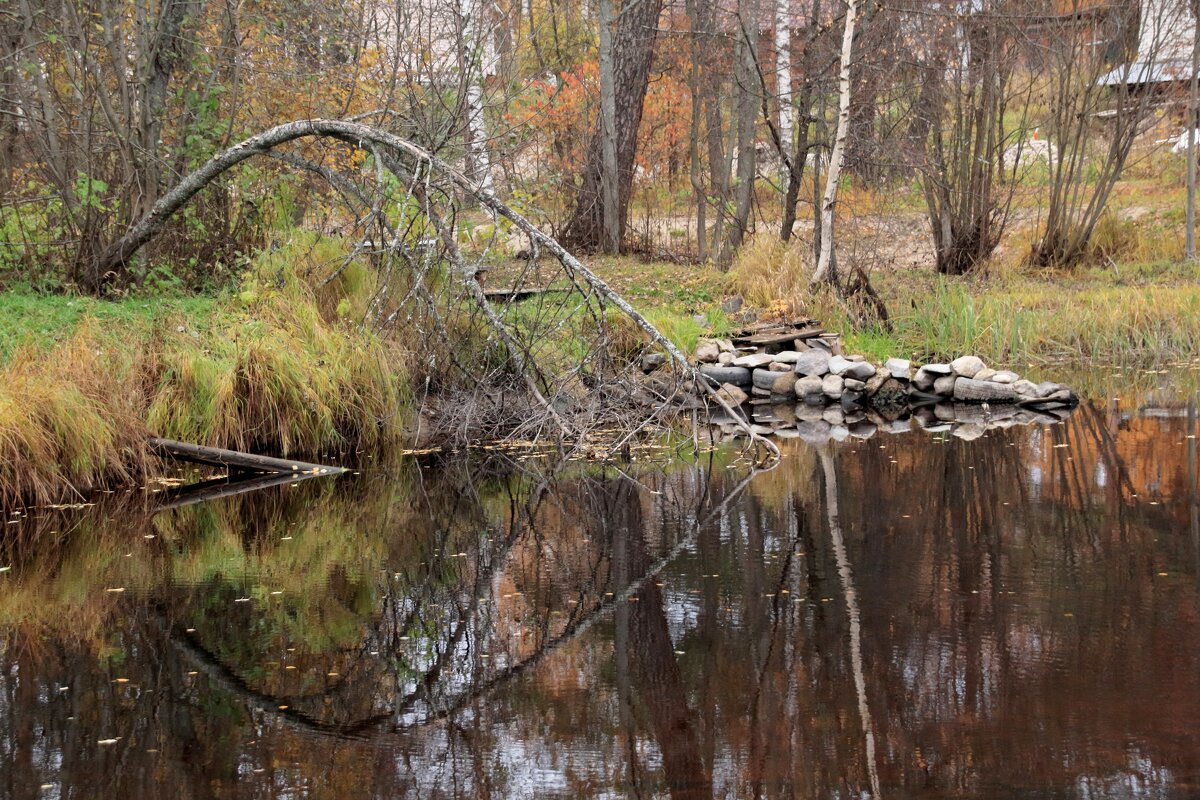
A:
{"x":826,"y":271}
{"x":1193,"y":97}
{"x":783,"y":76}
{"x":478,"y":61}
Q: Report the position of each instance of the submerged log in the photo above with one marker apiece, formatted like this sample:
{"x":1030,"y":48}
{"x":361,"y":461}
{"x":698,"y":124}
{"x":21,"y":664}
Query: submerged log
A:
{"x":235,"y":461}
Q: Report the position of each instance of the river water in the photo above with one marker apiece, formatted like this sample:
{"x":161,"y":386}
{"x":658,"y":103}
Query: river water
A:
{"x":903,"y":616}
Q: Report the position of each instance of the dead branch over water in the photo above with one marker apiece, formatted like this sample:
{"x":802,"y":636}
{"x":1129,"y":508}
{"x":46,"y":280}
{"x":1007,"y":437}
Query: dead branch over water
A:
{"x":558,"y":399}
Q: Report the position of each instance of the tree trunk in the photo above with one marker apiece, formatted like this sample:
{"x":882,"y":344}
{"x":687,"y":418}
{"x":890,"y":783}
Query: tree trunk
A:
{"x":747,"y":121}
{"x":826,"y":269}
{"x":610,"y":238}
{"x":783,"y":77}
{"x":633,"y":53}
{"x":1190,"y":130}
{"x":477,"y":61}
{"x":698,"y":189}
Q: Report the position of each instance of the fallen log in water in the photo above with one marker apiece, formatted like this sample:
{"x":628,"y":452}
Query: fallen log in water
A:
{"x":235,"y":461}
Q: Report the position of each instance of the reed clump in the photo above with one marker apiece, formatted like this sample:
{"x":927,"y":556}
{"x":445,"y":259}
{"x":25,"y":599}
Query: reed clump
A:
{"x":272,"y":368}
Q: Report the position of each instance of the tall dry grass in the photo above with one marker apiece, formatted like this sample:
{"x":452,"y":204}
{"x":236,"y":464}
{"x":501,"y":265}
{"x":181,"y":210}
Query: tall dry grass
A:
{"x":275,"y":369}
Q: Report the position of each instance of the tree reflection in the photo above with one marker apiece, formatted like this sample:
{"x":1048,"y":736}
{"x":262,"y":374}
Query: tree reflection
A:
{"x":898,"y":615}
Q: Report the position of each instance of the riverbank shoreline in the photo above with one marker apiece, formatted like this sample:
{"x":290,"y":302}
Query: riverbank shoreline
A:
{"x":84,"y":383}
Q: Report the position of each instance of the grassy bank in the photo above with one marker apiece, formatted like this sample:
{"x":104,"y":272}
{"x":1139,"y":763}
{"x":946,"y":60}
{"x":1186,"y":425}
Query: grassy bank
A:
{"x":273,"y":366}
{"x":1134,"y":314}
{"x":279,"y":364}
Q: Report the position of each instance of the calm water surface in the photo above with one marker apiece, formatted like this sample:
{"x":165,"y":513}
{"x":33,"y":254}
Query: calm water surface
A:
{"x":904,"y":616}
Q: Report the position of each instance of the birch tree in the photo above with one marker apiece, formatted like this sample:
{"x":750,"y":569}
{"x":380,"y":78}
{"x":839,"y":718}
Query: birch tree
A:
{"x":1190,"y":131}
{"x":783,"y":74}
{"x":826,"y":271}
{"x":478,"y":62}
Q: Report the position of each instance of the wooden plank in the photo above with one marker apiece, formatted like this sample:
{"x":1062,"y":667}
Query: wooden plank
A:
{"x":783,"y":337}
{"x":232,"y":459}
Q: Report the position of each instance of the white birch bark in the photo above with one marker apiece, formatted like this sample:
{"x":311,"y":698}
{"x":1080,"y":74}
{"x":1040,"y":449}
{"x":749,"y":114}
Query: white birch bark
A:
{"x":1190,"y":132}
{"x":824,"y":271}
{"x":478,"y":61}
{"x":783,"y":75}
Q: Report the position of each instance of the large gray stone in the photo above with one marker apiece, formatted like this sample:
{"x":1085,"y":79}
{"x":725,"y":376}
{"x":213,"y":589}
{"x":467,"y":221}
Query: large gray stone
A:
{"x":832,"y":386}
{"x":813,"y":362}
{"x":732,"y":394}
{"x":1025,"y":388}
{"x":967,"y":366}
{"x":929,"y":373}
{"x":779,"y":366}
{"x":726,"y":359}
{"x":859,"y":371}
{"x":1003,"y":376}
{"x":838,"y":365}
{"x":754,"y":360}
{"x":707,"y":352}
{"x":652,"y":361}
{"x":785,"y":384}
{"x":738,"y":376}
{"x":764,"y":378}
{"x":899,"y":368}
{"x":808,"y":385}
{"x":1046,"y":388}
{"x":970,"y":390}
{"x":944,"y":385}
{"x":787,"y":356}
{"x":853,"y":384}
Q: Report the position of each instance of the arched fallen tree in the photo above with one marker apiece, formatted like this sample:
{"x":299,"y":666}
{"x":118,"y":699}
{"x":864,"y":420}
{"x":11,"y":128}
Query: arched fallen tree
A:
{"x":425,"y":179}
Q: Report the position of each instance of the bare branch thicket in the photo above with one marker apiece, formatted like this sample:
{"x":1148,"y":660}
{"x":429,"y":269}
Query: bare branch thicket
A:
{"x":572,"y":396}
{"x":970,"y":120}
{"x":1104,"y":87}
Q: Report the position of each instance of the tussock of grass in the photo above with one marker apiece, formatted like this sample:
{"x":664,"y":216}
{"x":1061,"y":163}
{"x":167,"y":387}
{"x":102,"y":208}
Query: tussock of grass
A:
{"x":769,"y":273}
{"x":267,"y":372}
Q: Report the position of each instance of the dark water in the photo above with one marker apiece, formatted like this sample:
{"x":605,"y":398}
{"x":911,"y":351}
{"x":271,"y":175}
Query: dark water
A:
{"x":906,"y":616}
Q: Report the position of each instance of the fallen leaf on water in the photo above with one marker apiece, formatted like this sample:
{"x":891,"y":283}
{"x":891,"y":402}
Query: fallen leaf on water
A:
{"x":106,"y":742}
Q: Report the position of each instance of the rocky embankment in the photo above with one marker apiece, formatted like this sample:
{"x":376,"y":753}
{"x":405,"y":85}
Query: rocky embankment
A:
{"x":813,"y":391}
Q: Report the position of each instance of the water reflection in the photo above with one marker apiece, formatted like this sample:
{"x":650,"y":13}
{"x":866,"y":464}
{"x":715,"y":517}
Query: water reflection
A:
{"x":911,"y":615}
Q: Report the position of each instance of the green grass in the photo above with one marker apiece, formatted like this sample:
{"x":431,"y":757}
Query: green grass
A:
{"x":37,"y":321}
{"x":276,"y":366}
